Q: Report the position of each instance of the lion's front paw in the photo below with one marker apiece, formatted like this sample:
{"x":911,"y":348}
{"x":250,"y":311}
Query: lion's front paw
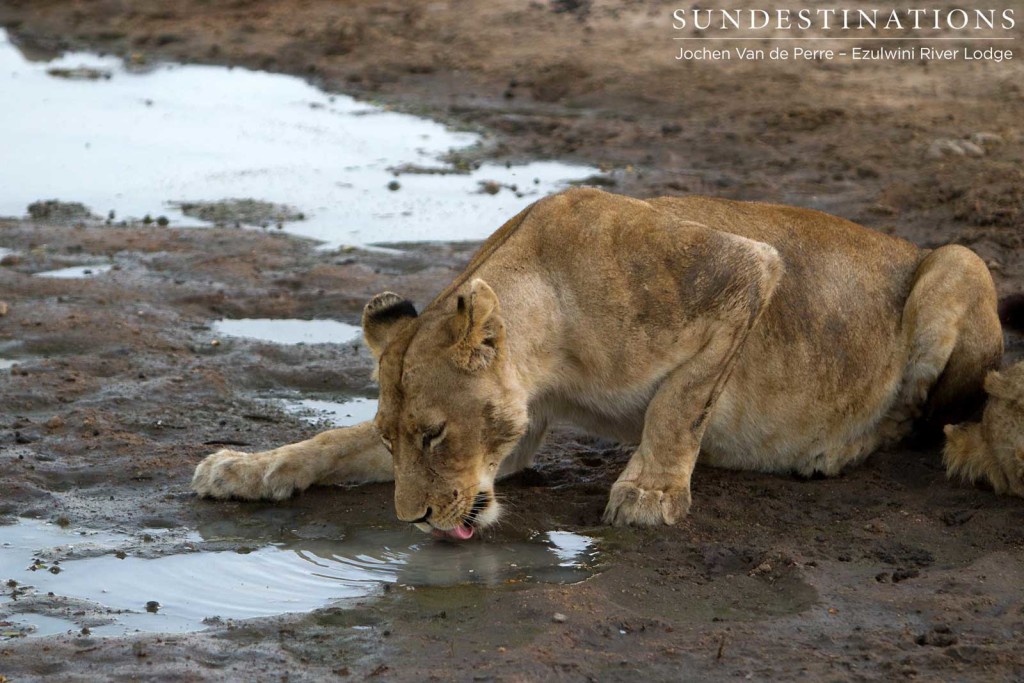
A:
{"x":628,"y":504}
{"x":249,"y":476}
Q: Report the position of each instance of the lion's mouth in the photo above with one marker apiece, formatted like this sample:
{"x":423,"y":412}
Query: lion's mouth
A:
{"x":466,"y":528}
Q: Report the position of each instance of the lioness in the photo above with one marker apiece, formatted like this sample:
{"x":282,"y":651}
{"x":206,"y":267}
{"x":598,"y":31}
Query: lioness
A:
{"x":761,"y":337}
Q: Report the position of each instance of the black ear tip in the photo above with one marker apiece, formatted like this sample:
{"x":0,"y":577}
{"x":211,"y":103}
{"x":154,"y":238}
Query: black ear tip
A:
{"x":388,"y":308}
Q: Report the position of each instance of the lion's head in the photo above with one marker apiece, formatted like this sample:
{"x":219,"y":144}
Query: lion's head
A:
{"x":451,"y":408}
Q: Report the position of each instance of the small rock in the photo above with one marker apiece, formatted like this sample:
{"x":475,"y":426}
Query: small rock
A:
{"x":957,"y":517}
{"x":153,"y":606}
{"x":971,"y":149}
{"x":490,"y":187}
{"x":941,"y":148}
{"x":957,"y":148}
{"x":904,"y":574}
{"x":81,"y":73}
{"x":939,"y":636}
{"x":4,"y":308}
{"x":394,"y":185}
{"x":55,"y":422}
{"x":876,"y":526}
{"x":559,"y":618}
{"x":985,"y":139}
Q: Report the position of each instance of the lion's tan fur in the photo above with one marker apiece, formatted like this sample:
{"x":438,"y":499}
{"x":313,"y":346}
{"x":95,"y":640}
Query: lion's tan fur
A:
{"x":992,"y":451}
{"x":761,"y":337}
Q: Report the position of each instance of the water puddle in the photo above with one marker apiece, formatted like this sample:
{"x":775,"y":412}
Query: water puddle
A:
{"x":5,"y":253}
{"x":151,"y":141}
{"x":75,"y":272}
{"x":96,"y":582}
{"x":335,"y":413}
{"x":288,"y":330}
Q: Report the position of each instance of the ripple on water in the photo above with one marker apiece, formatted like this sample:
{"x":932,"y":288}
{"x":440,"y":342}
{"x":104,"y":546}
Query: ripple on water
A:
{"x":292,"y":575}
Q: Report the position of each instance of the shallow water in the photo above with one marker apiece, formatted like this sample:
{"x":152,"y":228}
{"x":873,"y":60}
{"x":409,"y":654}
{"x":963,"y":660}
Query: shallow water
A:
{"x":75,"y":272}
{"x":288,"y":330}
{"x":259,"y":578}
{"x":139,"y":140}
{"x":343,"y":413}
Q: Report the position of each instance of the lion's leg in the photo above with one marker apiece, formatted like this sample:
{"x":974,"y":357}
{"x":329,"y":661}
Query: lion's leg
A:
{"x":654,"y":488}
{"x":953,"y":335}
{"x":353,"y":455}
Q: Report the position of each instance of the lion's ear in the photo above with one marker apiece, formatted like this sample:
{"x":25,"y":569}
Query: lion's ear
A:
{"x":478,"y":332}
{"x":380,"y":316}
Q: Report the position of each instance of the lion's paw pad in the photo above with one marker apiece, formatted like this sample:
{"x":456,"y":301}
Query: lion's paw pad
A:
{"x":629,"y":504}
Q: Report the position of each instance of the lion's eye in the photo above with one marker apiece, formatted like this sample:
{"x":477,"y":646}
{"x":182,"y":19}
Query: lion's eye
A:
{"x":432,"y":435}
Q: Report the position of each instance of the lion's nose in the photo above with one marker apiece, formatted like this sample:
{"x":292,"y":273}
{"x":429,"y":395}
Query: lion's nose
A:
{"x":419,"y":520}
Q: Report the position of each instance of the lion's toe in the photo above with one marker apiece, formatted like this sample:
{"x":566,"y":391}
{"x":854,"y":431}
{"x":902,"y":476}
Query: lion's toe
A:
{"x":229,"y":474}
{"x":631,"y":505}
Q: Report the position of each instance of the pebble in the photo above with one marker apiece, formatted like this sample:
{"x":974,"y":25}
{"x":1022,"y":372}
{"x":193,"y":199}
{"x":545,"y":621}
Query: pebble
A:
{"x":982,"y":138}
{"x":559,"y":618}
{"x":950,"y":147}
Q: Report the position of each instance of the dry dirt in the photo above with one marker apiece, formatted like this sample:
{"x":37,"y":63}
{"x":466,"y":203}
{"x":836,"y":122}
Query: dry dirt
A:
{"x":887,"y":571}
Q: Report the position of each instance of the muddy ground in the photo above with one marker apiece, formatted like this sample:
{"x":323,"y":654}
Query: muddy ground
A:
{"x":886,"y":571}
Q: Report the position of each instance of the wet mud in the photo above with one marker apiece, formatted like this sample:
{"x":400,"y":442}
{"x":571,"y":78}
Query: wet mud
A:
{"x":114,"y":385}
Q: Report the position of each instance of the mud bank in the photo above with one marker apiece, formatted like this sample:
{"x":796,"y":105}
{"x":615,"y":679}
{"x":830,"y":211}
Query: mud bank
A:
{"x":112,"y":387}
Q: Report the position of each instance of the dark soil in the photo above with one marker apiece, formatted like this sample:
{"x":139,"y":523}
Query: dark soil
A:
{"x":888,"y":571}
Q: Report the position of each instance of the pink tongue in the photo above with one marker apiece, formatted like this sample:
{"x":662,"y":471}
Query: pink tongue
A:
{"x":462,"y":532}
